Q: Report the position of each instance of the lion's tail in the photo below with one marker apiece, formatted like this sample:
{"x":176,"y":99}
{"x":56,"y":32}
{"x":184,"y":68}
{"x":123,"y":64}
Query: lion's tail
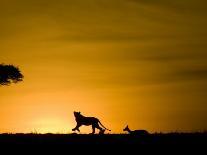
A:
{"x":103,"y":125}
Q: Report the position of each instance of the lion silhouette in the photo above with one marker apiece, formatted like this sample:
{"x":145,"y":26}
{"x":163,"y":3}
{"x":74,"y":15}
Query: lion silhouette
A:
{"x":82,"y":120}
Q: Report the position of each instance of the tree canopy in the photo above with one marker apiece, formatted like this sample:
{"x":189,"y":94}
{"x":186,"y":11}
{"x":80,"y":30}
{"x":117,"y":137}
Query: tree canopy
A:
{"x":9,"y":74}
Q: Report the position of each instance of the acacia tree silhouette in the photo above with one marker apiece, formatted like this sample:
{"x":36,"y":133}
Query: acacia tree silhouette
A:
{"x":9,"y":74}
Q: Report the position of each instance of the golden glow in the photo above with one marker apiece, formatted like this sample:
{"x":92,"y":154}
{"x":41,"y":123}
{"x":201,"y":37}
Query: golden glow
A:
{"x":124,"y":61}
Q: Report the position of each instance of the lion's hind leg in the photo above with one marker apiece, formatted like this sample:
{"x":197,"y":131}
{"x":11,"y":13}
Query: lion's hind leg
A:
{"x":93,"y":129}
{"x":101,"y":130}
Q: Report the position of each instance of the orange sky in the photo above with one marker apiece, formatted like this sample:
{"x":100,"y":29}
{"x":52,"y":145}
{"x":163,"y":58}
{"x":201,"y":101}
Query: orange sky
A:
{"x":124,"y":61}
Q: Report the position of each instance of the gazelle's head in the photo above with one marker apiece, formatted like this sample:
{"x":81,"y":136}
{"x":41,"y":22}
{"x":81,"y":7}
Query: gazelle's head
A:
{"x":126,"y":128}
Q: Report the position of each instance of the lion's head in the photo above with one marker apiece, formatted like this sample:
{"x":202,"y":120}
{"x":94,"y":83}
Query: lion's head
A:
{"x":77,"y":114}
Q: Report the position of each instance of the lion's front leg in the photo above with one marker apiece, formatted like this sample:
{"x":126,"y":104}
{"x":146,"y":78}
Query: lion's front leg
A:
{"x":76,"y":128}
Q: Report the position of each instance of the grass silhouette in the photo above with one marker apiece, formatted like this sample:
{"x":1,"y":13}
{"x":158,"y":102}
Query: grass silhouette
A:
{"x":35,"y":139}
{"x":104,"y":144}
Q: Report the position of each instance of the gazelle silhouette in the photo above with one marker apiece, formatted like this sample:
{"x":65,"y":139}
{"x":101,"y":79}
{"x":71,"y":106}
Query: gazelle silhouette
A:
{"x":136,"y":132}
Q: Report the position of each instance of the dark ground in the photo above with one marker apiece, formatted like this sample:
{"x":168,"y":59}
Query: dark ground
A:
{"x":104,"y":143}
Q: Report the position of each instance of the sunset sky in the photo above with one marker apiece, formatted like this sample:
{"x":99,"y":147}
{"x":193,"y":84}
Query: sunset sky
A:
{"x":136,"y":62}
